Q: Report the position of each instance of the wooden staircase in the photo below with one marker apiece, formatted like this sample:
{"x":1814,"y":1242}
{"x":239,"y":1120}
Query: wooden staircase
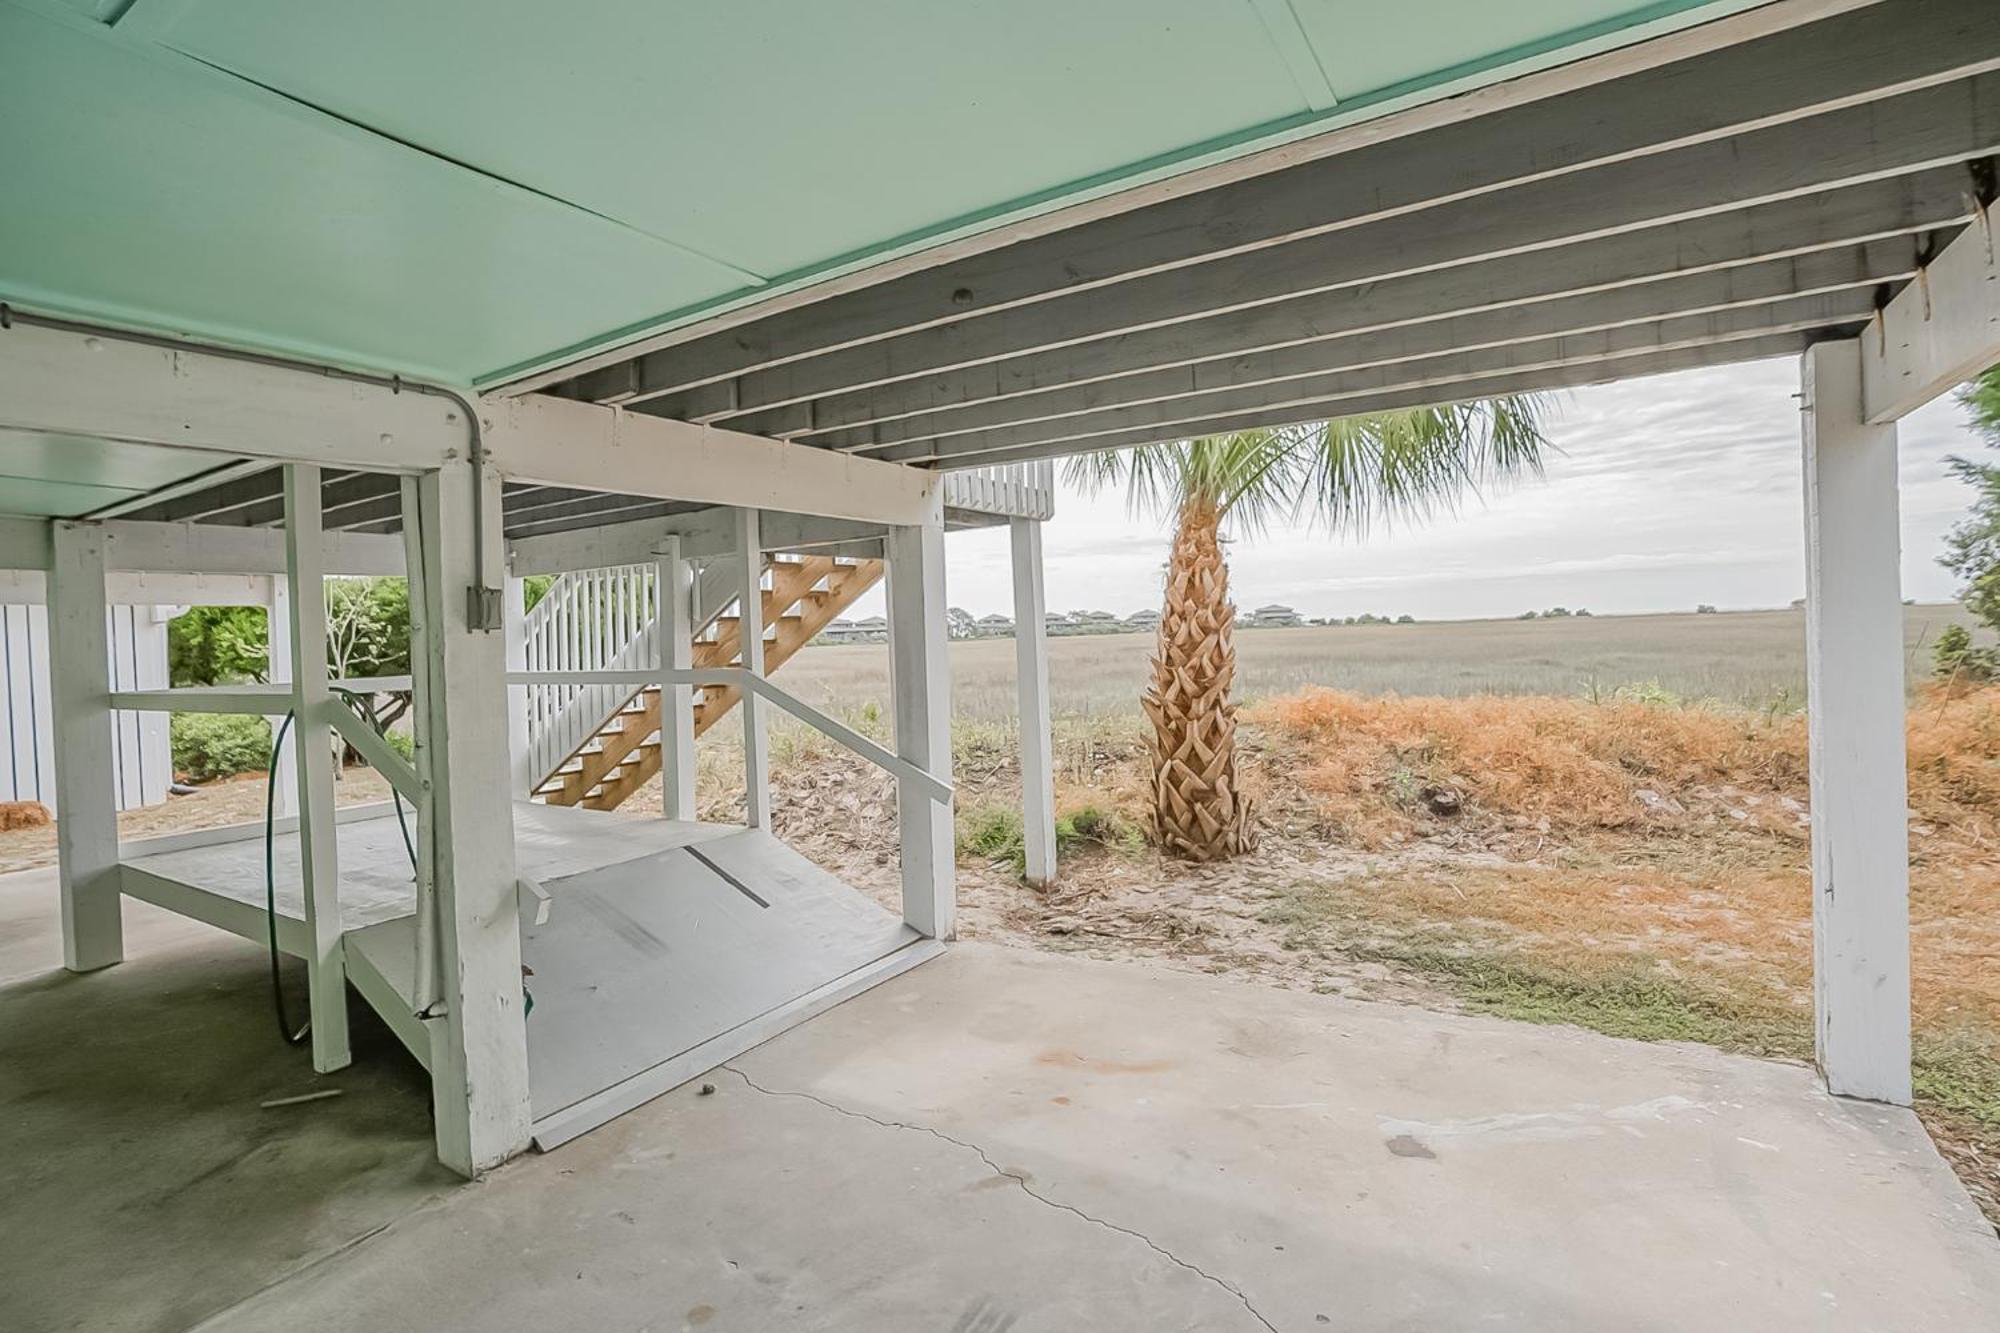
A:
{"x":805,"y":596}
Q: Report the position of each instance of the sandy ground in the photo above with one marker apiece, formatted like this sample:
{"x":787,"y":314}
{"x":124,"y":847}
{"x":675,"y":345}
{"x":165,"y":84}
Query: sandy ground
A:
{"x":238,"y":800}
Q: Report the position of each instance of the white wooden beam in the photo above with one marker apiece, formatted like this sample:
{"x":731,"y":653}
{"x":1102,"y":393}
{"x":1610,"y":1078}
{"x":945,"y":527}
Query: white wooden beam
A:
{"x":424,"y":988}
{"x":479,"y":1065}
{"x":750,"y":635}
{"x":560,"y":442}
{"x":514,"y":607}
{"x":278,"y":670}
{"x":920,"y":690}
{"x":319,"y":843}
{"x":673,"y":593}
{"x":702,"y":533}
{"x":1940,"y":331}
{"x":1031,"y":671}
{"x":1431,"y":379}
{"x":80,"y":710}
{"x":207,"y":548}
{"x":247,"y":700}
{"x":633,"y":542}
{"x":114,"y":388}
{"x":134,"y":587}
{"x":1854,"y":679}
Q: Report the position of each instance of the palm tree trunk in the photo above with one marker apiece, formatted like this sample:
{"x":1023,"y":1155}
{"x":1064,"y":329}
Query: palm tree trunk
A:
{"x":1198,"y":810}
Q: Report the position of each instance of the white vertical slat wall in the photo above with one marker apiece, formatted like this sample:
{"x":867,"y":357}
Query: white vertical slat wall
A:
{"x":141,"y":752}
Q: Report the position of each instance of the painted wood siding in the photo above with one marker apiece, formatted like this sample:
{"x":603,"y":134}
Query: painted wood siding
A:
{"x":142,"y":759}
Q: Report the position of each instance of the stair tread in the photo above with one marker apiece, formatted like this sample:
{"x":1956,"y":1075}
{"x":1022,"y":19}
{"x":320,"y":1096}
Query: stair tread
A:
{"x":806,"y":594}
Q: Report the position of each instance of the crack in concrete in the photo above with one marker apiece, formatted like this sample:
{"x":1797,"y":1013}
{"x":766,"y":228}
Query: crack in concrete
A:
{"x":1020,"y":1181}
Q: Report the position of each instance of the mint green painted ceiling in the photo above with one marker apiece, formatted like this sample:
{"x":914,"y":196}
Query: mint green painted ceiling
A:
{"x":464,"y":189}
{"x":61,"y":476}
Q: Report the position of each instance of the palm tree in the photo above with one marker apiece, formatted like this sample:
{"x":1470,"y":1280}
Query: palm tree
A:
{"x":1345,"y":474}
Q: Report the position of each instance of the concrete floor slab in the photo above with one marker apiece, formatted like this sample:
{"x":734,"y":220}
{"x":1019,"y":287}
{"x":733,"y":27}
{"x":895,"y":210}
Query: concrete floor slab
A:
{"x":999,"y":1140}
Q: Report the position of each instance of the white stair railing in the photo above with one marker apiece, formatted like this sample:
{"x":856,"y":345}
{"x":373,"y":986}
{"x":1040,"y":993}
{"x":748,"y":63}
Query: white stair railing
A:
{"x":600,"y":620}
{"x":591,"y":620}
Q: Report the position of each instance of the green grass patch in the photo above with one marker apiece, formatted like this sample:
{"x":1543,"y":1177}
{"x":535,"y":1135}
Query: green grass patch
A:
{"x":995,"y":833}
{"x":1098,"y":826}
{"x":1958,"y":1072}
{"x":1636,"y":995}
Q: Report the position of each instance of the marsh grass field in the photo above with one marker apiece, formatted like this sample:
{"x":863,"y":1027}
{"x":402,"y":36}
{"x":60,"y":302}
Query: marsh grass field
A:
{"x":1749,"y":659}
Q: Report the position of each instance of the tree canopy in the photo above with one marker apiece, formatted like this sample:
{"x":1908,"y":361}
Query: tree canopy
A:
{"x":1972,"y":549}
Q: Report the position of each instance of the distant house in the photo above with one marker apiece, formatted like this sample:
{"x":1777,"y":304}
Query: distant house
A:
{"x":995,"y":626}
{"x":1055,"y":621}
{"x":1275,"y":616}
{"x":1147,"y":620}
{"x":874,"y":629}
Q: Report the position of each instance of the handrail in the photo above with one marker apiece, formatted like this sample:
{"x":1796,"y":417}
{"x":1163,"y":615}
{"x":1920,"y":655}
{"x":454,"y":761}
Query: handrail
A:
{"x":740,"y":678}
{"x":933,"y":786}
{"x":258,"y":698}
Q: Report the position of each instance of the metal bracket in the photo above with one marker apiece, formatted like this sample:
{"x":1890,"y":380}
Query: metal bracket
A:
{"x":485,"y":608}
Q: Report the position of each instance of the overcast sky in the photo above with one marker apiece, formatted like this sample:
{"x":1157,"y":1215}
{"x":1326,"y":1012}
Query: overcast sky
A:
{"x":1668,"y":492}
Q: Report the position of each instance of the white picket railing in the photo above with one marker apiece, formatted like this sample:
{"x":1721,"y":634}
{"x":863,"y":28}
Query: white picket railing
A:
{"x":591,"y":620}
{"x":600,"y":620}
{"x":1017,"y":490}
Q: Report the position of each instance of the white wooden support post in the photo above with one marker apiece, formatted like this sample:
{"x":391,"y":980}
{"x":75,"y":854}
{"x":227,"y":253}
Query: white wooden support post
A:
{"x":514,"y":607}
{"x":1031,"y":672}
{"x":1859,"y":786}
{"x":920,"y":686}
{"x":312,"y":746}
{"x":479,"y":1045}
{"x":80,"y":709}
{"x":673,"y":596}
{"x":750,"y":634}
{"x":278,"y":670}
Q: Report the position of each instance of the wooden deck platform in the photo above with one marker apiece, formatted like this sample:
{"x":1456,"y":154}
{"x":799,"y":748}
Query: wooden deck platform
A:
{"x":668,"y":947}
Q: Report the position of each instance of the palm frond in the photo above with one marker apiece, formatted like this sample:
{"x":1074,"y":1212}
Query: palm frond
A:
{"x":1411,"y":464}
{"x":1250,"y":476}
{"x":1348,"y":473}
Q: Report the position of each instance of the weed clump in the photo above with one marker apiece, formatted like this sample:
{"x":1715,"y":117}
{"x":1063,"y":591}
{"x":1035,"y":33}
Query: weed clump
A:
{"x":995,"y":833}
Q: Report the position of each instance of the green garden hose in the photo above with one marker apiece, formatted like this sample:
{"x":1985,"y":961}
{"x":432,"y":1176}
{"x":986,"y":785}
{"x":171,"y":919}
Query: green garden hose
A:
{"x":271,"y":886}
{"x":271,"y":874}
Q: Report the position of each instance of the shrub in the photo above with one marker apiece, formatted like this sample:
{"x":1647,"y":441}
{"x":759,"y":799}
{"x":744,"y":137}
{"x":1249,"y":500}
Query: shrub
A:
{"x":219,"y":745}
{"x":1956,"y":659}
{"x":215,"y":645}
{"x":1648,"y":692}
{"x":1096,"y":825}
{"x":995,"y":832}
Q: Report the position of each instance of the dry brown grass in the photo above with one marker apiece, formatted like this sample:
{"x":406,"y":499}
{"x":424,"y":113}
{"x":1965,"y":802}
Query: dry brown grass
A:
{"x":1583,"y":766}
